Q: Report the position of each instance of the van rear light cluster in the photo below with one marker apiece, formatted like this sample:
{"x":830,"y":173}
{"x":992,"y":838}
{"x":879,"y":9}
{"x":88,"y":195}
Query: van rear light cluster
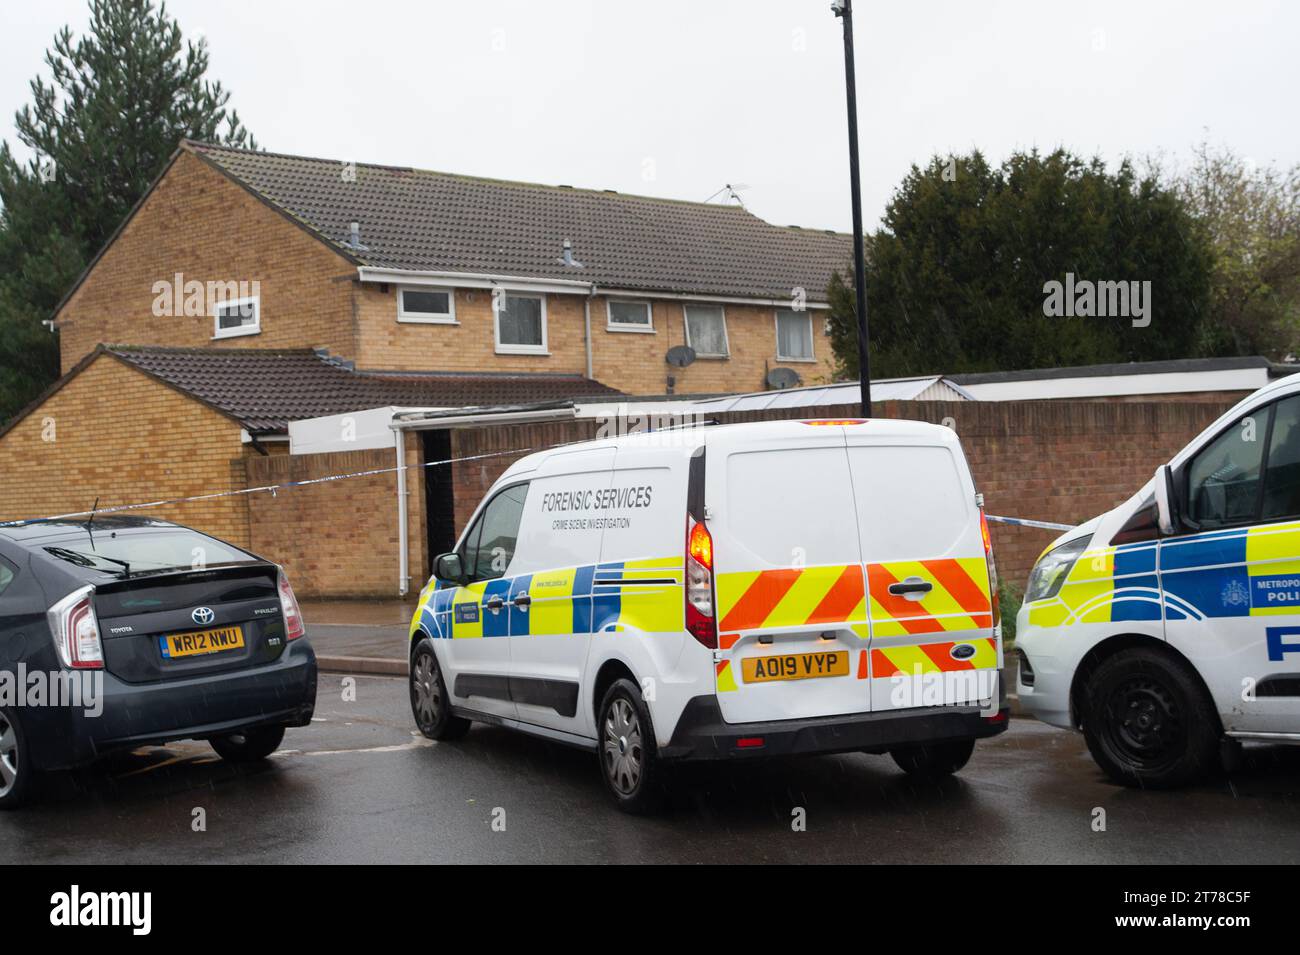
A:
{"x":293,"y":625}
{"x":993,"y":570}
{"x":76,"y":631}
{"x":700,"y":620}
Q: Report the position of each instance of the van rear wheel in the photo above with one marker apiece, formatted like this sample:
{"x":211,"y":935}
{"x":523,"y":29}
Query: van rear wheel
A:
{"x":629,"y":757}
{"x":933,"y":760}
{"x":1148,"y":721}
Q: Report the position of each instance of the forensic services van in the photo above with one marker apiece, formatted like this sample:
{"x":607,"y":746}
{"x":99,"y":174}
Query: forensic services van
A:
{"x":722,"y":592}
{"x":1168,"y":629}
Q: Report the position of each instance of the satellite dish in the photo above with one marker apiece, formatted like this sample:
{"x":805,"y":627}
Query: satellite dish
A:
{"x":778,"y":379}
{"x":679,"y":356}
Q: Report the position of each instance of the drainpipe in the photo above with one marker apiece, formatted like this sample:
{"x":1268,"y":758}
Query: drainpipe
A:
{"x":403,"y":570}
{"x":586,"y":318}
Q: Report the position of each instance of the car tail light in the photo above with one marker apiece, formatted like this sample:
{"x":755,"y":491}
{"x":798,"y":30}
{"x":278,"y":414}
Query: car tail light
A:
{"x":699,"y":584}
{"x":76,"y":630}
{"x":293,"y":625}
{"x":993,"y":570}
{"x":836,"y":421}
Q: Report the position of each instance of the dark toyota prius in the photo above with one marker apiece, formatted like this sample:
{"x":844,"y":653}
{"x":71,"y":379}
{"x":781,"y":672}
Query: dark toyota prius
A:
{"x":121,"y":632}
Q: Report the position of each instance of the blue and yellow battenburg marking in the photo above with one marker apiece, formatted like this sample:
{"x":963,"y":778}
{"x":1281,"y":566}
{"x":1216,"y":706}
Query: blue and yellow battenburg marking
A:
{"x":643,"y":595}
{"x":1233,"y":573}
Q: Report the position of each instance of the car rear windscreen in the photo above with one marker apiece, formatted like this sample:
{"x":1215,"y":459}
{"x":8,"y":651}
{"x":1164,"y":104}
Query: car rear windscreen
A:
{"x":144,"y":550}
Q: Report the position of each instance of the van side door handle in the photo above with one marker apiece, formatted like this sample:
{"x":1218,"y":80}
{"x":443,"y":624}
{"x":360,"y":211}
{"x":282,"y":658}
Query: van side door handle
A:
{"x":522,"y":601}
{"x":905,"y":587}
{"x":494,"y":603}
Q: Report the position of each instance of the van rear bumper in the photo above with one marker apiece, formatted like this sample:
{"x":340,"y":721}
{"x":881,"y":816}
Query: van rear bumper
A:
{"x":702,"y":734}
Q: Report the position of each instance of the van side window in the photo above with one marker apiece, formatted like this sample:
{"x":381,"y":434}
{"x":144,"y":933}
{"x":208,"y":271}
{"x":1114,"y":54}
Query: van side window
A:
{"x":1282,"y":473}
{"x":490,"y":545}
{"x":1223,"y":480}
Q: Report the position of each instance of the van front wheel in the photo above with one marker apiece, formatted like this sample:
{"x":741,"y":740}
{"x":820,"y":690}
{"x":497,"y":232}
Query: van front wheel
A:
{"x":1148,"y":721}
{"x":629,"y":758}
{"x":933,"y":760}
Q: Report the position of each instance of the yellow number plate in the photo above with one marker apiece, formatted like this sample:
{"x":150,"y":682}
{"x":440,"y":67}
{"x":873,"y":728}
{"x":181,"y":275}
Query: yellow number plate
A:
{"x":202,"y":641}
{"x":795,"y":666}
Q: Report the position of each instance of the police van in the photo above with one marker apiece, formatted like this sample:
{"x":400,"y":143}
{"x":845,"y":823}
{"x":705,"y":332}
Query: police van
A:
{"x":722,"y":592}
{"x":1168,"y":629}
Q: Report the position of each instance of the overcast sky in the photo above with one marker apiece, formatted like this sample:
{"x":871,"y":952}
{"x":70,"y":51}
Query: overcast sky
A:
{"x":675,"y":98}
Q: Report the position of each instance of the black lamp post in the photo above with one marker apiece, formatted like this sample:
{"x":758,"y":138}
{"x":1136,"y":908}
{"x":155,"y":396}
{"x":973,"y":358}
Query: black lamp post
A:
{"x":844,"y":10}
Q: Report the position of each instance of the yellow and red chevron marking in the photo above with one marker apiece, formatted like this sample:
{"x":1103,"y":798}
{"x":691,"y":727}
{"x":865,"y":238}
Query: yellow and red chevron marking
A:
{"x":791,"y":597}
{"x":958,"y":600}
{"x":932,"y":658}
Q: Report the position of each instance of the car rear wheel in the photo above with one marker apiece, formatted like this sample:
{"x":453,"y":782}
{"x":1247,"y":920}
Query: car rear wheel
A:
{"x":1148,"y":721}
{"x":249,"y":746}
{"x":15,"y":767}
{"x":933,"y":760}
{"x":430,"y":703}
{"x":629,"y":758}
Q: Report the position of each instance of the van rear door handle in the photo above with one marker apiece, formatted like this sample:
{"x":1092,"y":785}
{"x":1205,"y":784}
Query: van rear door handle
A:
{"x":522,"y":601}
{"x":911,"y":587}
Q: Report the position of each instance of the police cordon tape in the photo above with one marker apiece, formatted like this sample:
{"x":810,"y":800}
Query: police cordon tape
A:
{"x":287,"y":485}
{"x":1024,"y":522}
{"x":272,"y":488}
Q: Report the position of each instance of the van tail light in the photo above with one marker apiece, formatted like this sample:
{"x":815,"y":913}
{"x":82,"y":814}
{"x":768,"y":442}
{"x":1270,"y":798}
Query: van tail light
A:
{"x":76,"y":631}
{"x":700,"y":620}
{"x":993,"y":570}
{"x":293,"y":625}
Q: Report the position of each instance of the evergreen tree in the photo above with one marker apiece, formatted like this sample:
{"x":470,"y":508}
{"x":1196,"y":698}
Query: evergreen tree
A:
{"x":116,"y":104}
{"x":956,"y":276}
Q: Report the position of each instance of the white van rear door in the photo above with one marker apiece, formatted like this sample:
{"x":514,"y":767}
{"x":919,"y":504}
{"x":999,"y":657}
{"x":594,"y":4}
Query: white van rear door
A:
{"x":932,"y":639}
{"x":792,"y":626}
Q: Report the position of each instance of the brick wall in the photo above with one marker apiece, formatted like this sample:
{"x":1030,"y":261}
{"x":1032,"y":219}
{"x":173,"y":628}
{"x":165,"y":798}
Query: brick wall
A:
{"x":632,"y":362}
{"x":339,"y":538}
{"x":122,"y":437}
{"x":199,"y":223}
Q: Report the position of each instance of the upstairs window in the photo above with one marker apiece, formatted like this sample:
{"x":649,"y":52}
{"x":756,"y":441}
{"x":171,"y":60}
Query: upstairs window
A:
{"x":240,"y":316}
{"x":706,"y":330}
{"x":521,"y":325}
{"x":431,"y":305}
{"x":627,"y":316}
{"x":794,"y":335}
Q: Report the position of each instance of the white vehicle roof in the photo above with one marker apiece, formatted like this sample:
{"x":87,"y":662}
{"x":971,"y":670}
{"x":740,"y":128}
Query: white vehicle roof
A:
{"x":685,"y":441}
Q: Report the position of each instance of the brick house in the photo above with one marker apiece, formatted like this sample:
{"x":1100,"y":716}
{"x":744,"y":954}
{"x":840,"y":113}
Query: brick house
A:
{"x":248,"y":290}
{"x":399,"y":269}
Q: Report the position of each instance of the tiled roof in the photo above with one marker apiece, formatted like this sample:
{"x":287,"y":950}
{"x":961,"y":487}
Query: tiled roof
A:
{"x":433,"y":221}
{"x":265,"y":389}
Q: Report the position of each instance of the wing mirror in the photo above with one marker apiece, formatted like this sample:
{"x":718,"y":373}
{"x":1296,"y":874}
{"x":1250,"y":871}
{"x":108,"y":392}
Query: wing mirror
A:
{"x":450,"y":568}
{"x":1164,"y":488}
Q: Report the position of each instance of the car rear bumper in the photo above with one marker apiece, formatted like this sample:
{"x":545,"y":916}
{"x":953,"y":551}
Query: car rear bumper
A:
{"x":702,"y":734}
{"x":282,"y":693}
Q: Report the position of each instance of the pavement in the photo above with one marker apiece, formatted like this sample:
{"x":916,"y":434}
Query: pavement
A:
{"x":359,"y":636}
{"x":359,"y":786}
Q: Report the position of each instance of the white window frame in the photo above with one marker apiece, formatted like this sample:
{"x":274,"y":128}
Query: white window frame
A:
{"x":613,"y":326}
{"x":427,"y":318}
{"x":812,"y":336}
{"x":686,"y":328}
{"x":254,"y":329}
{"x":503,"y":349}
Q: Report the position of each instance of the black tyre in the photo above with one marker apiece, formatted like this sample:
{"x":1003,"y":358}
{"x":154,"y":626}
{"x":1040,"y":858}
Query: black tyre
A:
{"x":933,"y":760}
{"x":248,"y":746}
{"x":629,"y":758}
{"x":1148,"y":720}
{"x":430,"y":704}
{"x":17,"y":776}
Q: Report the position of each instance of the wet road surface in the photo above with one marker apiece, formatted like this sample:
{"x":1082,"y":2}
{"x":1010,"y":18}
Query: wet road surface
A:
{"x":359,"y":786}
